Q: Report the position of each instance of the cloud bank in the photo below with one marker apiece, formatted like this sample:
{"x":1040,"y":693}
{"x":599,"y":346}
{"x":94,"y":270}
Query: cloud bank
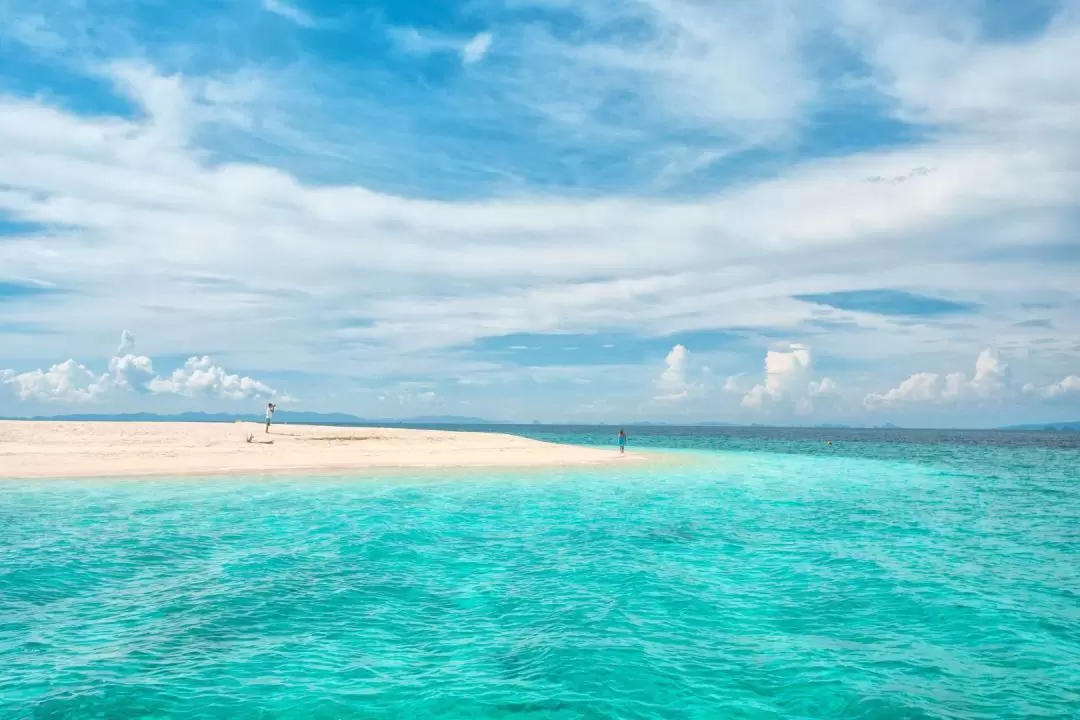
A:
{"x":992,"y":382}
{"x":72,"y":382}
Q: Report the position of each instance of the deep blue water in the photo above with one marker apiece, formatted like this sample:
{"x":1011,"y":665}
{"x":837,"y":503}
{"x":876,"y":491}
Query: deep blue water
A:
{"x":756,"y":573}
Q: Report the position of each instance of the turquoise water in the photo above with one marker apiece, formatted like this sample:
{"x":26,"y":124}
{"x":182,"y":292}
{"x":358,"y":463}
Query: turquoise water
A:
{"x":757,"y":575}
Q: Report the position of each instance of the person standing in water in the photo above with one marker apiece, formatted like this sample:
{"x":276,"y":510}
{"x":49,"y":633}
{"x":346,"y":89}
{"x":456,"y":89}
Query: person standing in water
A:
{"x":270,"y":408}
{"x":622,"y":441}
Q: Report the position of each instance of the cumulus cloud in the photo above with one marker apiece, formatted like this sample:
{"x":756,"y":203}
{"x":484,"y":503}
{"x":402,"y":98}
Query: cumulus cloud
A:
{"x":64,"y":382}
{"x":788,"y":382}
{"x":919,"y":388}
{"x":127,"y":342}
{"x":784,"y":370}
{"x":72,"y":382}
{"x":131,"y":371}
{"x":992,"y":380}
{"x":1068,"y":387}
{"x":200,"y":377}
{"x":682,"y":378}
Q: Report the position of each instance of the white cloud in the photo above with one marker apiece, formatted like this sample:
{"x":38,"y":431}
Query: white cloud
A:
{"x":127,"y":341}
{"x":993,"y":378}
{"x":127,"y":370}
{"x":921,"y":387}
{"x":290,"y":12}
{"x":132,"y":371}
{"x":1069,"y":386}
{"x":471,"y":50}
{"x":200,"y":377}
{"x":128,"y":198}
{"x":733,"y":69}
{"x":64,"y":382}
{"x":787,"y":382}
{"x":476,"y":49}
{"x":72,"y":382}
{"x":126,"y":187}
{"x":934,"y":67}
{"x":992,"y":381}
{"x":676,"y":382}
{"x":738,"y":384}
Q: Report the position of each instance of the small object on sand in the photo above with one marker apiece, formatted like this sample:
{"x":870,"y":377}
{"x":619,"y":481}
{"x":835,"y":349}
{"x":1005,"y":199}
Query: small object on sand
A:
{"x":250,"y":437}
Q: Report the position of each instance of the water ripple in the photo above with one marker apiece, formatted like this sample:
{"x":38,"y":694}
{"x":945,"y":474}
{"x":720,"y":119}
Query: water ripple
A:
{"x":732,"y":585}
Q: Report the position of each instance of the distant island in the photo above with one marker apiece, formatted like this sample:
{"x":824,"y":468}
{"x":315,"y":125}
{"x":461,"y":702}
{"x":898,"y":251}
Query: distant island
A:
{"x":1073,"y":426}
{"x":316,"y":418}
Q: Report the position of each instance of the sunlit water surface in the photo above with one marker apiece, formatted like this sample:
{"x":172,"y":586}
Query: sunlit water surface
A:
{"x":753,"y":574}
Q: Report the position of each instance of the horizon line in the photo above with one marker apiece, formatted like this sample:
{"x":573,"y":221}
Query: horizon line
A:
{"x":1065,"y":425}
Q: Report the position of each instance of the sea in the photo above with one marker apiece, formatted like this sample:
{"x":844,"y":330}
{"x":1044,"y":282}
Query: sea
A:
{"x":743,"y":573}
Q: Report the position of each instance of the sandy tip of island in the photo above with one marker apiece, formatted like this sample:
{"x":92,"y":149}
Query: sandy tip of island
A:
{"x":41,"y":449}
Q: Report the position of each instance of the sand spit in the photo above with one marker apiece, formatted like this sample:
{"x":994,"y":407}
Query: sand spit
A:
{"x":40,"y":449}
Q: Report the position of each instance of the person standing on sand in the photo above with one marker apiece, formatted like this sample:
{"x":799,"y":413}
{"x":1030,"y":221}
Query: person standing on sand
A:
{"x":270,"y":408}
{"x":622,"y":441}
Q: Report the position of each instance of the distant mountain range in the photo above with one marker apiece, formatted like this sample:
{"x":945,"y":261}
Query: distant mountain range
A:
{"x":316,"y":418}
{"x":1073,"y":426}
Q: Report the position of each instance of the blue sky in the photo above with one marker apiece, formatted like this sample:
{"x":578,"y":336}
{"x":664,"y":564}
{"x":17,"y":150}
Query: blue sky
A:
{"x":543,"y":210}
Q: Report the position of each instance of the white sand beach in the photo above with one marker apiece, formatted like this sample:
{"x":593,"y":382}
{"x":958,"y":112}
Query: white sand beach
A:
{"x":42,"y":449}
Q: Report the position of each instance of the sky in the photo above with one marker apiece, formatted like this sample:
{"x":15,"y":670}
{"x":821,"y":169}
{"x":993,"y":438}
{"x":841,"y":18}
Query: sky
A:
{"x":543,"y":210}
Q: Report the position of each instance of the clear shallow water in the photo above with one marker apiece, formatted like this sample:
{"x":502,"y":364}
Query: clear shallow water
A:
{"x":759,"y":576}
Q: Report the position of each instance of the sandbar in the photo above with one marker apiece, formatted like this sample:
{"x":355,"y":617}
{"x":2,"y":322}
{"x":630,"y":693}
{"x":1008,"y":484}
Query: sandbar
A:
{"x":47,"y":449}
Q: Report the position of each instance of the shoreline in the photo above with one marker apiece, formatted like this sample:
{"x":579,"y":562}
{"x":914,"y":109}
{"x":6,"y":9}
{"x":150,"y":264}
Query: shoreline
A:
{"x":96,"y":449}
